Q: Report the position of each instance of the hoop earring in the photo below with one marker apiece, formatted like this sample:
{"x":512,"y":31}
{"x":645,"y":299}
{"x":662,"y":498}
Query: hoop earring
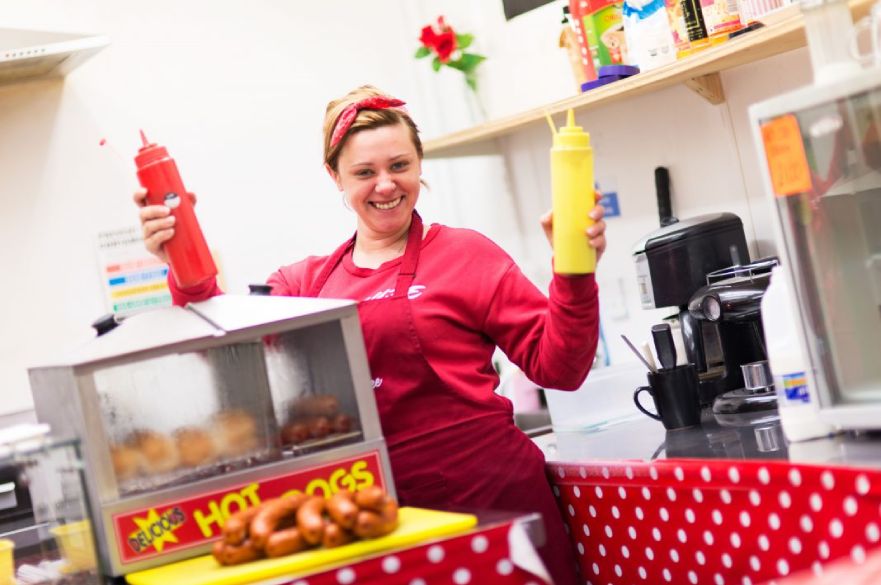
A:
{"x":346,"y":203}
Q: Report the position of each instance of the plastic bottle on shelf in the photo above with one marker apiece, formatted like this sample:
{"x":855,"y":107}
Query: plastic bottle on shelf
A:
{"x":188,"y":255}
{"x":797,"y":400}
{"x":647,"y":30}
{"x":572,"y":189}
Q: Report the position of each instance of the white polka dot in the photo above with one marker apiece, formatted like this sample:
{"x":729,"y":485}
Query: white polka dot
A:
{"x":718,"y":579}
{"x":744,"y":519}
{"x":596,"y":569}
{"x":646,"y":493}
{"x":725,"y":495}
{"x":827,"y":479}
{"x":577,"y":491}
{"x":625,"y":552}
{"x":656,"y":534}
{"x":435,"y":554}
{"x":418,"y":582}
{"x":639,"y":513}
{"x":782,"y":567}
{"x":858,"y":554}
{"x":698,"y":495}
{"x":556,"y":491}
{"x":817,"y":568}
{"x":592,"y":511}
{"x":795,"y":545}
{"x":664,"y":514}
{"x":602,"y":550}
{"x":616,"y":513}
{"x":784,"y":499}
{"x":671,"y":494}
{"x":807,"y":525}
{"x":345,"y":576}
{"x":755,"y":563}
{"x":705,"y":473}
{"x":599,"y":492}
{"x":850,"y":506}
{"x":794,"y":477}
{"x":642,"y":573}
{"x":823,"y":550}
{"x":747,"y":581}
{"x":764,"y":476}
{"x":835,"y":528}
{"x":717,"y":517}
{"x":649,"y":553}
{"x":734,"y":475}
{"x":585,"y":529}
{"x":392,"y":564}
{"x":872,"y":532}
{"x":605,"y":472}
{"x":674,"y":555}
{"x":680,"y":534}
{"x":700,"y":557}
{"x":764,"y":543}
{"x":622,"y":493}
{"x":582,"y":472}
{"x":862,"y":485}
{"x":506,"y":567}
{"x":632,"y":532}
{"x":754,"y":498}
{"x":628,"y":471}
{"x":774,"y":521}
{"x":571,"y":509}
{"x":608,"y":531}
{"x":689,"y":516}
{"x":680,"y":475}
{"x":561,"y":473}
{"x":618,"y":570}
{"x":580,"y":548}
{"x":726,"y":560}
{"x":816,"y":502}
{"x":667,"y":575}
{"x":735,"y":540}
{"x":708,"y":537}
{"x":653,"y":472}
{"x":692,"y":577}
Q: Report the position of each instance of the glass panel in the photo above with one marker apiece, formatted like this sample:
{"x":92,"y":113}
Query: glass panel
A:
{"x":833,"y":236}
{"x":182,"y":417}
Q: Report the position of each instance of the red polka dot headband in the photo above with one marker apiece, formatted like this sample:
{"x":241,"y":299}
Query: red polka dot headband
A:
{"x":347,"y":117}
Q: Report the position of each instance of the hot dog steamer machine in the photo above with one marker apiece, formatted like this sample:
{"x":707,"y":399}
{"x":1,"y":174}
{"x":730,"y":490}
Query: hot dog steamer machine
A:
{"x":187,"y":415}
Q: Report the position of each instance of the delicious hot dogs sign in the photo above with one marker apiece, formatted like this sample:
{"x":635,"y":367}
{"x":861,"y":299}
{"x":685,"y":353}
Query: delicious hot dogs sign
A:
{"x":187,"y":523}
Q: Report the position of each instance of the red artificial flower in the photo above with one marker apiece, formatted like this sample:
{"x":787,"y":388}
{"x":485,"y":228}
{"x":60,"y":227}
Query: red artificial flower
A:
{"x":428,"y":38}
{"x":445,"y":44}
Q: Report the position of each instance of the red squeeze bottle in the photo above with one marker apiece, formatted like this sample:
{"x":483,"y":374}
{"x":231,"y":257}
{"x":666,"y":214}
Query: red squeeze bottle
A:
{"x":188,"y":255}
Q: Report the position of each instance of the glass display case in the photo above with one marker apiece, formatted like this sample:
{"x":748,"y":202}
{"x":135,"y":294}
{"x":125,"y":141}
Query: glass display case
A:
{"x":45,"y":528}
{"x":187,"y":415}
{"x":821,"y":149}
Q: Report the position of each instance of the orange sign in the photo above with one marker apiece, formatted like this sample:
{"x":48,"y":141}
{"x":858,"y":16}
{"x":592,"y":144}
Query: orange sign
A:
{"x":785,"y":151}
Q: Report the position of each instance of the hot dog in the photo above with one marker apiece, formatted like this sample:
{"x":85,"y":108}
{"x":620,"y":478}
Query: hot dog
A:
{"x":235,"y":529}
{"x":371,"y":498}
{"x":271,"y":514}
{"x":319,"y":427}
{"x":310,"y":520}
{"x":342,"y":509}
{"x":370,"y":524}
{"x":230,"y":554}
{"x":285,"y":542}
{"x":341,"y":423}
{"x":335,"y":535}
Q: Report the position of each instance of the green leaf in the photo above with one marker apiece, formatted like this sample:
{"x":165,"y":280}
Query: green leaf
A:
{"x":471,"y":60}
{"x":464,"y":41}
{"x":436,"y":64}
{"x":471,"y":80}
{"x":422,"y":52}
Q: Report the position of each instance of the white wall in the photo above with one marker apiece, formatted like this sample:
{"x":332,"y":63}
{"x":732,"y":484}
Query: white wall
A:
{"x":237,"y":92}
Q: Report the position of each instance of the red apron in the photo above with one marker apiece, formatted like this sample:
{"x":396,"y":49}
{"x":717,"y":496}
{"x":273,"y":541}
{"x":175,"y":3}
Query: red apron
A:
{"x":487,"y":463}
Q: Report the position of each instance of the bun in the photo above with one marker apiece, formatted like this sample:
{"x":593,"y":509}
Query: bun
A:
{"x":127,"y":461}
{"x":158,"y":451}
{"x":196,"y":446}
{"x":235,"y":433}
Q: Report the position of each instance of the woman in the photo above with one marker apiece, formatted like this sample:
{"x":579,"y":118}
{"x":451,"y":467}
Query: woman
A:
{"x":435,"y":302}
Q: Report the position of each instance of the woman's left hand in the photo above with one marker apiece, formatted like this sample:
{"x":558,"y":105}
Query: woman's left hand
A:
{"x":596,"y":233}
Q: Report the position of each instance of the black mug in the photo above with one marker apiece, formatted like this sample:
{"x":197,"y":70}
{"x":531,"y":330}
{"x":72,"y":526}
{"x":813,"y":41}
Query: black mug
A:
{"x":675,"y":392}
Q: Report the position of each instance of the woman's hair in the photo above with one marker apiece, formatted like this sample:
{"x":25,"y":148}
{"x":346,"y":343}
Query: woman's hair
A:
{"x":365,"y":120}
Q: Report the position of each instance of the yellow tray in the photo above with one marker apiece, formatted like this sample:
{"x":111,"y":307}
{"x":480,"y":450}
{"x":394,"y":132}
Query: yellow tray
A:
{"x":416,"y":525}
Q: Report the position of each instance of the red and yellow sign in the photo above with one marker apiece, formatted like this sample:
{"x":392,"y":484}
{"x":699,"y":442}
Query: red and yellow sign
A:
{"x":183,"y":524}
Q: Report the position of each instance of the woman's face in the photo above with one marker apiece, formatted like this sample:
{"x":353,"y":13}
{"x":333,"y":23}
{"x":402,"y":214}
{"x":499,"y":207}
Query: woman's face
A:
{"x":379,"y":173}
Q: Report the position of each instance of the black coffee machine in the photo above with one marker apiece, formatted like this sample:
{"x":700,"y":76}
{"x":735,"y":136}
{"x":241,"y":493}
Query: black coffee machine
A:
{"x":672,"y":264}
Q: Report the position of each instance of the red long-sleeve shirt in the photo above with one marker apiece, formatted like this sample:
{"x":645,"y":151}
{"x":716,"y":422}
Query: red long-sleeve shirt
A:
{"x":468,"y":296}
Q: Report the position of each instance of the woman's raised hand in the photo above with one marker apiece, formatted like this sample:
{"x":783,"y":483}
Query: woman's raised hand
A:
{"x":157,"y":224}
{"x":596,"y":233}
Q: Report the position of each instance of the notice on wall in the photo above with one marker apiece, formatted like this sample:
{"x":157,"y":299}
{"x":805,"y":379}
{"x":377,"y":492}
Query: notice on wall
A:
{"x":133,"y":280}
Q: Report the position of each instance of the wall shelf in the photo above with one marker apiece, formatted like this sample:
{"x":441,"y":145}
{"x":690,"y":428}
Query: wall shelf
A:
{"x":784,"y":32}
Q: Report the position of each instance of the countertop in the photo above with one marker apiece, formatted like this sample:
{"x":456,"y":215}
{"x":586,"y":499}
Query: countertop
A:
{"x":757,"y":437}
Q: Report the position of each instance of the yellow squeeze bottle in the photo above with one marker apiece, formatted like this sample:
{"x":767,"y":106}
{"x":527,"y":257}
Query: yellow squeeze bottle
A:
{"x":572,"y":190}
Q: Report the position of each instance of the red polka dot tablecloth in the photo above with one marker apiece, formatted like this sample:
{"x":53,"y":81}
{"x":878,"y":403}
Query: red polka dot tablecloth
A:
{"x":693,"y":521}
{"x":479,"y":557}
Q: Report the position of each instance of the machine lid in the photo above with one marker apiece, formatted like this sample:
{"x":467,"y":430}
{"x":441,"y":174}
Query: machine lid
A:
{"x":231,"y":313}
{"x":687,"y":228}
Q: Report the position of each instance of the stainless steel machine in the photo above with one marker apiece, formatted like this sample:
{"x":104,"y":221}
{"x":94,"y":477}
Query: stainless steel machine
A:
{"x":187,"y":415}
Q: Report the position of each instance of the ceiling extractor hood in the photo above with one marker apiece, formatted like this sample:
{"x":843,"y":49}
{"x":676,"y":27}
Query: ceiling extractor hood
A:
{"x":28,"y":54}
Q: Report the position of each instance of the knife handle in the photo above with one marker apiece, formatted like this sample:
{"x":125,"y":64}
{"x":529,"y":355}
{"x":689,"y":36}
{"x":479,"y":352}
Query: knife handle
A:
{"x":664,"y":345}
